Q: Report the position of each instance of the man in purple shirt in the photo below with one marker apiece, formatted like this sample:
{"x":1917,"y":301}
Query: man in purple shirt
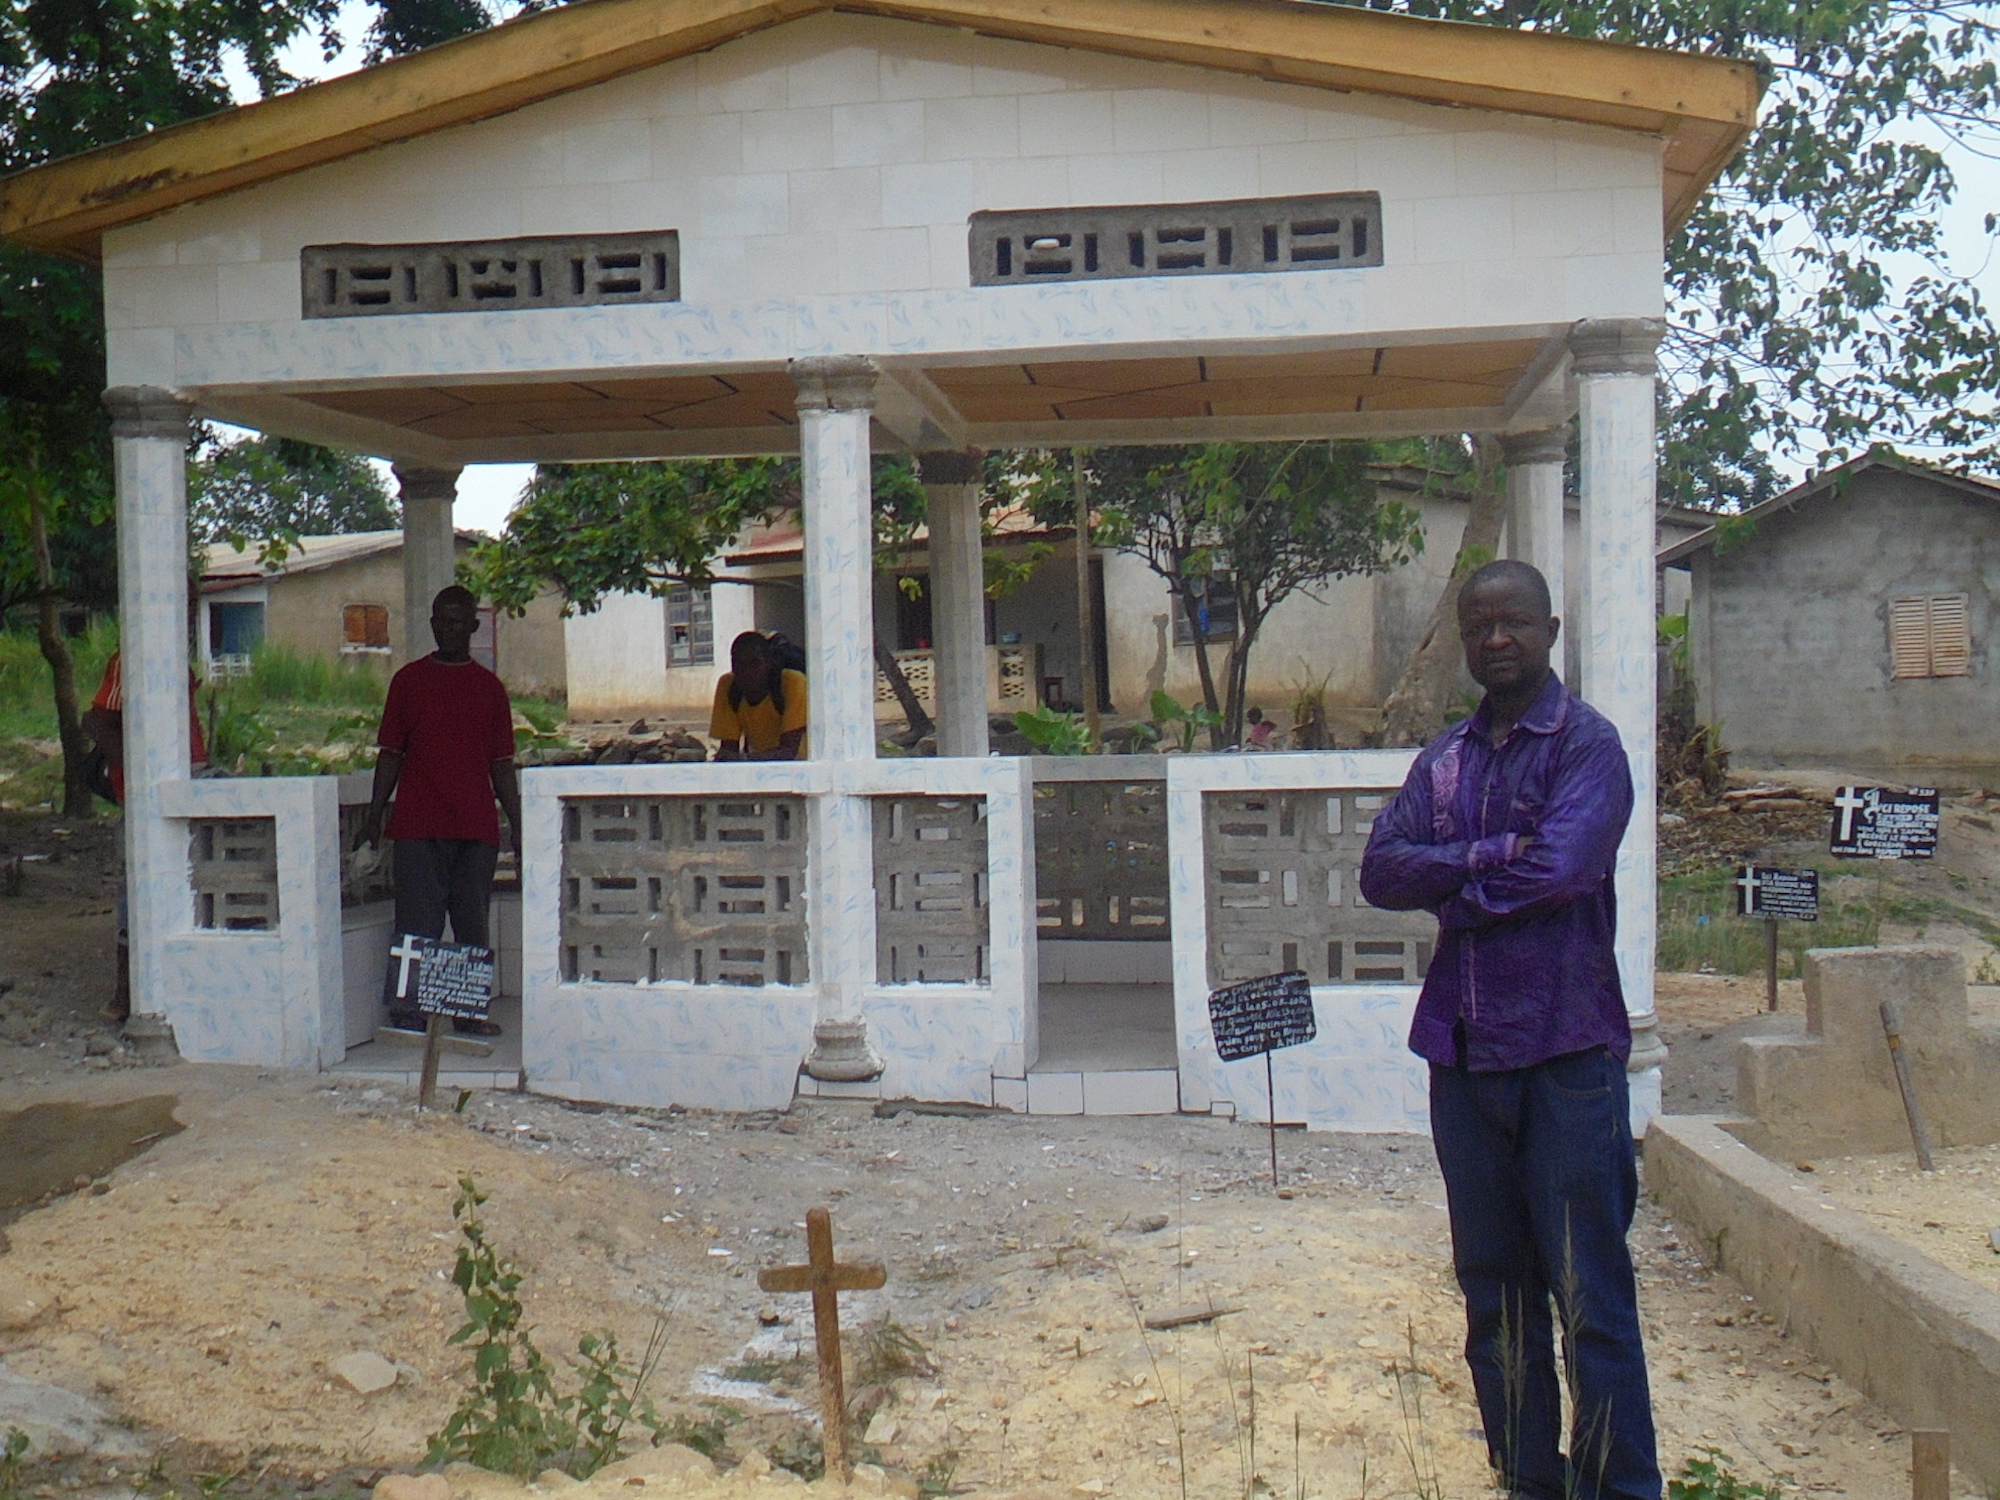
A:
{"x":1508,"y":829}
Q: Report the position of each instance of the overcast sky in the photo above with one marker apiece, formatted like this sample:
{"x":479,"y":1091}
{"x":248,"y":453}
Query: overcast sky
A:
{"x":486,"y":492}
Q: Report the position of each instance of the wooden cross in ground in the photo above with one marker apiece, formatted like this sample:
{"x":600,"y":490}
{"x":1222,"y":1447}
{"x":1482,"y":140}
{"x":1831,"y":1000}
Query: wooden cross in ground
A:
{"x":825,"y":1278}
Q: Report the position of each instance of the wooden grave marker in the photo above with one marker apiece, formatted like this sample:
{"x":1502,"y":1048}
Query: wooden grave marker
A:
{"x":826,"y":1279}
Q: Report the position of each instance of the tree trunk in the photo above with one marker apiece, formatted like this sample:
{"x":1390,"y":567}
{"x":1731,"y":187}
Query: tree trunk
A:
{"x":906,"y":696}
{"x":1237,"y":703}
{"x":77,"y":800}
{"x":1086,"y":634}
{"x":1200,"y":633}
{"x":1415,"y":711}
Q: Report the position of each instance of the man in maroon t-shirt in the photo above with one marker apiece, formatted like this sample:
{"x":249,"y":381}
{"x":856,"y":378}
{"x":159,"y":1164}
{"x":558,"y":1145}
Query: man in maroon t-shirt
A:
{"x":447,"y":750}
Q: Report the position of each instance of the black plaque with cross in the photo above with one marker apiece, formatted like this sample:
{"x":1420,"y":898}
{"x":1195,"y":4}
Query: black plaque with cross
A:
{"x":1879,"y":822}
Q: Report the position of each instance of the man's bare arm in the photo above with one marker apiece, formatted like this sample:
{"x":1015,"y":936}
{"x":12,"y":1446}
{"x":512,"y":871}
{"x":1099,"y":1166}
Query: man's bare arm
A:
{"x":388,"y":770}
{"x":507,"y":787}
{"x":787,"y":747}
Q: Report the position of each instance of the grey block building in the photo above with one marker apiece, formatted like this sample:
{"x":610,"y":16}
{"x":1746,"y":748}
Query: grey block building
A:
{"x":1849,"y":621}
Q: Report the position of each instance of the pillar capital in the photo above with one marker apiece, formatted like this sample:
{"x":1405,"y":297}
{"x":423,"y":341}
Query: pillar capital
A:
{"x":414,"y":483}
{"x":148,"y":411}
{"x":952,"y":466}
{"x":835,"y":382}
{"x":1615,"y":346}
{"x":1549,"y":447}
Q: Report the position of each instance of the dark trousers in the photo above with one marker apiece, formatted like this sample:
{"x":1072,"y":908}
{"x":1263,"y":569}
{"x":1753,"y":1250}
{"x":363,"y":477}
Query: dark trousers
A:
{"x":1541,"y":1182}
{"x":435,"y":879}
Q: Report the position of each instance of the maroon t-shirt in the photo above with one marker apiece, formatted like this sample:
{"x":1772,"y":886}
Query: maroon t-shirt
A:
{"x":450,"y":721}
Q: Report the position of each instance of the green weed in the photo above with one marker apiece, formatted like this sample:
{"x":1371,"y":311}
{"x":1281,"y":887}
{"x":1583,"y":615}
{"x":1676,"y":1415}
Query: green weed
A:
{"x":11,"y":1453}
{"x":1708,"y":1477}
{"x":513,"y":1420}
{"x":801,"y":1452}
{"x":707,"y":1432}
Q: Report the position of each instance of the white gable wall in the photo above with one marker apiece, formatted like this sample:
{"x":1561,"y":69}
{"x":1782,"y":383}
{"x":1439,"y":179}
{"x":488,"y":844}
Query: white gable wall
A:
{"x":821,"y":174}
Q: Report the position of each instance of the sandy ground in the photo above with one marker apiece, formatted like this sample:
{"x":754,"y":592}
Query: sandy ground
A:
{"x":201,"y":1289}
{"x":204,"y":1293}
{"x":1952,"y":1214}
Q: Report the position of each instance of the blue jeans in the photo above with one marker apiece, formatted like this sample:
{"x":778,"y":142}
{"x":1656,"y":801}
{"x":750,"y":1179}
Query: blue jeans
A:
{"x":1541,"y":1182}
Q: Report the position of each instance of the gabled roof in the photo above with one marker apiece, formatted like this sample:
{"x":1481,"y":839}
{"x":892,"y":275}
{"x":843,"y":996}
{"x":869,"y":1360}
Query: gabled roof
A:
{"x":223,"y":564}
{"x":1831,"y":482}
{"x":1702,"y":106}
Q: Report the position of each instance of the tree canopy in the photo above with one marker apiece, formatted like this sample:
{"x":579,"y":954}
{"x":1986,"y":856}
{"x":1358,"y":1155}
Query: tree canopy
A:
{"x":272,"y":491}
{"x":1812,"y":309}
{"x":1272,"y":519}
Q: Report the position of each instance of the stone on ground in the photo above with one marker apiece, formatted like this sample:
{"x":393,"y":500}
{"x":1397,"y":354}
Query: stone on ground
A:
{"x":364,"y":1371}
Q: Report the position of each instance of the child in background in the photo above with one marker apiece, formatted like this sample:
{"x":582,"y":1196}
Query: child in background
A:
{"x":1259,"y":737}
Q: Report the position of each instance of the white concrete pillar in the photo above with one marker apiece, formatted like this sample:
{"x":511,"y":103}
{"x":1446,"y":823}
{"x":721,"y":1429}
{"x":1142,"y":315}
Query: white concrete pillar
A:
{"x":1615,"y":368}
{"x":836,"y":396}
{"x":958,"y":600}
{"x":1535,"y":509}
{"x":149,"y":440}
{"x":430,"y":552}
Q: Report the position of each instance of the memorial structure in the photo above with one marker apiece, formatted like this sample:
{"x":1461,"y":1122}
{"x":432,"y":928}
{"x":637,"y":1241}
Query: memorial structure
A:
{"x":708,"y":227}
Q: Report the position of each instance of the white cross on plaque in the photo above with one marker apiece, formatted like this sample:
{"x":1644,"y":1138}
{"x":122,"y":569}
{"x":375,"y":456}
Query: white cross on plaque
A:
{"x":1849,"y":802}
{"x":409,"y":953}
{"x":1750,"y":885}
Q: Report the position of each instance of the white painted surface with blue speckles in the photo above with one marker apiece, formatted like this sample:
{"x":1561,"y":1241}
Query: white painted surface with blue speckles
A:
{"x":1358,"y":1073}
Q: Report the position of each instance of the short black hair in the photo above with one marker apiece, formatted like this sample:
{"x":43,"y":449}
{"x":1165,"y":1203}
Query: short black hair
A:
{"x":1513,"y":570}
{"x":454,"y":593}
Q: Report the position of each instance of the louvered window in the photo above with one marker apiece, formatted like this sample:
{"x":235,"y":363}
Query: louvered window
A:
{"x":690,"y":627}
{"x":1930,"y":636}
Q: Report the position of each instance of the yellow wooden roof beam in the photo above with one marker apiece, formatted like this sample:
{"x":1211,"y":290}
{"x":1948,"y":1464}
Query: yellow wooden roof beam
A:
{"x":1701,"y":107}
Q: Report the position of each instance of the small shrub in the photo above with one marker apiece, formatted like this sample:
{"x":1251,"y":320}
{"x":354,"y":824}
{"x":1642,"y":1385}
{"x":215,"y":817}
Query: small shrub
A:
{"x":1051,"y":733}
{"x":513,"y":1420}
{"x":889,"y":1352}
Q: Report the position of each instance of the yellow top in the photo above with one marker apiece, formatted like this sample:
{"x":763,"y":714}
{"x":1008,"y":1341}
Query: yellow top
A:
{"x":759,"y":723}
{"x":1702,"y":107}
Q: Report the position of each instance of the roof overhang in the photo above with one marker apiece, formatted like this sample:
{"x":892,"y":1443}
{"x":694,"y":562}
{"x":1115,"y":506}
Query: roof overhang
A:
{"x":1701,"y":107}
{"x":1681,"y":554}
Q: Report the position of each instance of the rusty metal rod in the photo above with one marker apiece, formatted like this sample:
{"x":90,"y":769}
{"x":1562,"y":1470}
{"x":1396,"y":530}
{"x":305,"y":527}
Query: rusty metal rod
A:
{"x":1920,"y":1133}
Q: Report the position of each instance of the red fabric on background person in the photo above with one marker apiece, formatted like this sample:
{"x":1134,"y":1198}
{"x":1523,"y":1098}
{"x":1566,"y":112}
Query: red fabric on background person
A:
{"x":111,"y":698}
{"x":450,"y":722}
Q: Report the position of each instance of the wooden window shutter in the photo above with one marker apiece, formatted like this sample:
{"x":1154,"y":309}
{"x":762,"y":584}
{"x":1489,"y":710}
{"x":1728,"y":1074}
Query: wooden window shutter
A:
{"x":1951,"y":637}
{"x":365,"y":627}
{"x":1909,"y":638}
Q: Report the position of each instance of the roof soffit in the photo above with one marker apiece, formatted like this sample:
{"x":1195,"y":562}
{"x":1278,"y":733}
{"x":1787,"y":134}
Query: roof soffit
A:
{"x":1701,"y":107}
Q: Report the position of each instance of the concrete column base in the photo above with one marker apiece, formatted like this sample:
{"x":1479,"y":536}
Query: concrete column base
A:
{"x":841,"y":1053}
{"x":152,"y":1037}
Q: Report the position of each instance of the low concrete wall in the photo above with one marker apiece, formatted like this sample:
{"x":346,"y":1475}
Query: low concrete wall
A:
{"x":1920,"y":1339}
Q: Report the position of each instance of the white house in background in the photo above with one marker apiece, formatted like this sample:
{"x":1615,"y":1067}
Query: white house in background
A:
{"x":644,"y":228}
{"x":640,"y":655}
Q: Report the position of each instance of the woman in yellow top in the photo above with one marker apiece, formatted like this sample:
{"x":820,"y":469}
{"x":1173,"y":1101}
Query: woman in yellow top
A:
{"x":760,"y":709}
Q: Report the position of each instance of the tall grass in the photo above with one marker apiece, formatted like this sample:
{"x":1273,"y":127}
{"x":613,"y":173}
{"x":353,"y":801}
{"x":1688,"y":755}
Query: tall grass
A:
{"x":1700,"y":931}
{"x":27,"y":702}
{"x":280,"y":675}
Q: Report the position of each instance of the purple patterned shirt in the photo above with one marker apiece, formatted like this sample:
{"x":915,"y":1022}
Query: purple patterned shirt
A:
{"x":1524,"y":957}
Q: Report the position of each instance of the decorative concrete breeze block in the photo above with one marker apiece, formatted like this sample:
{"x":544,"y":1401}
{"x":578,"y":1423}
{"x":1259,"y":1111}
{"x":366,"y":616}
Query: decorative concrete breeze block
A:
{"x":1834,"y":1089}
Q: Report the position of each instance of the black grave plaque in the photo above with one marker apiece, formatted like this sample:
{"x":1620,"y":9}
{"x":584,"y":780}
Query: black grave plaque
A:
{"x":1262,"y":1015}
{"x":1879,"y":822}
{"x":1777,"y":895}
{"x":446,"y":979}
